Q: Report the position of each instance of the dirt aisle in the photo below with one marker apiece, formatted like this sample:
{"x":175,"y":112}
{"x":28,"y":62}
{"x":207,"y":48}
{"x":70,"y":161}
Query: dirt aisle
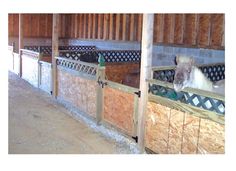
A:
{"x":37,"y":124}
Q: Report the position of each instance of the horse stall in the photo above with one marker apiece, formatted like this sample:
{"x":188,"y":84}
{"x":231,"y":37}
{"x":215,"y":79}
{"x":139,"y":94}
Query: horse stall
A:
{"x":118,"y":102}
{"x":98,"y":69}
{"x":77,"y":84}
{"x":121,"y":91}
{"x":189,"y":121}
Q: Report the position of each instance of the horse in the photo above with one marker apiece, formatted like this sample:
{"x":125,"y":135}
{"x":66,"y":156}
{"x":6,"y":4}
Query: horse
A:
{"x":187,"y":74}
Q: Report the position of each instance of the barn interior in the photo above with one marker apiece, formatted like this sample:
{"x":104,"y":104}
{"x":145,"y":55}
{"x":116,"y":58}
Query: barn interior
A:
{"x":103,"y":83}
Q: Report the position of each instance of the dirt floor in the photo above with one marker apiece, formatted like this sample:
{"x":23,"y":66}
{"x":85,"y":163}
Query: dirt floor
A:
{"x":38,"y":124}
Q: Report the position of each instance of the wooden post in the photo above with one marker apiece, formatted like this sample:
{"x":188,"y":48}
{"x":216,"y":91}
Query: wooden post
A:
{"x":145,"y":73}
{"x":55,"y":42}
{"x":99,"y":96}
{"x":21,"y":44}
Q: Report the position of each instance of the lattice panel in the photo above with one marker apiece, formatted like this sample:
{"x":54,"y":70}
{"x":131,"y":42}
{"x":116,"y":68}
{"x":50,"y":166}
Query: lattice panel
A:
{"x":82,"y":68}
{"x":121,"y":56}
{"x":164,"y":75}
{"x":33,"y":48}
{"x":74,"y":55}
{"x":215,"y":72}
{"x":77,"y":48}
{"x":45,"y":50}
{"x":109,"y":56}
{"x":206,"y":103}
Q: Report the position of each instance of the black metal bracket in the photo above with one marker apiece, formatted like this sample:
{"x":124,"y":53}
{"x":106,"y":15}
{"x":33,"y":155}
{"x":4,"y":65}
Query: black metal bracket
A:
{"x":136,"y":139}
{"x":138,"y":93}
{"x":101,"y":83}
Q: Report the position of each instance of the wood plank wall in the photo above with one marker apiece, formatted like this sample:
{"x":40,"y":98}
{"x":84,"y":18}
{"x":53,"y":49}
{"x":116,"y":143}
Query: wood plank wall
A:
{"x":194,"y":30}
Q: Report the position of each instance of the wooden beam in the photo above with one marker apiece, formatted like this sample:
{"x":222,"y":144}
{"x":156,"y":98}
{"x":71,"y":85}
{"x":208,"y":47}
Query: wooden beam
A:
{"x":100,"y":23}
{"x":111,"y":27}
{"x":76,"y":25}
{"x":21,"y":40}
{"x":145,"y":73}
{"x":124,"y":28}
{"x":99,"y":94}
{"x":94,"y":26}
{"x":89,"y":26}
{"x":85,"y":26}
{"x":172,"y":29}
{"x":105,"y":26}
{"x":131,"y":30}
{"x":117,"y":37}
{"x":55,"y":44}
{"x":139,"y":32}
{"x":80,"y":26}
{"x":223,"y":32}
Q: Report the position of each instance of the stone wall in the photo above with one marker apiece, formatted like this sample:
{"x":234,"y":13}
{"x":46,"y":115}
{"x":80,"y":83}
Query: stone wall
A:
{"x":79,"y":92}
{"x":172,"y":131}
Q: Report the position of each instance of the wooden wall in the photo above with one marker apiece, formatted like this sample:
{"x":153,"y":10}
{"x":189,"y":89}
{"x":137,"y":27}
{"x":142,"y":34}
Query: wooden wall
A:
{"x":197,"y":30}
{"x":36,"y":25}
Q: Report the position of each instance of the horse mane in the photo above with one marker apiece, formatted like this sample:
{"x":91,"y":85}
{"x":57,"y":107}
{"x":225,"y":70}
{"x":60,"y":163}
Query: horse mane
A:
{"x":199,"y":80}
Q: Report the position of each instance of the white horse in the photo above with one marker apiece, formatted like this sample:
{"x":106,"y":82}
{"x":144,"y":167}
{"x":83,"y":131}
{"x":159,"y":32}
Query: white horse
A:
{"x":188,"y":75}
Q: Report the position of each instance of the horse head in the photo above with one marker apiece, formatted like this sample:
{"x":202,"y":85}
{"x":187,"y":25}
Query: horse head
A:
{"x":183,"y":72}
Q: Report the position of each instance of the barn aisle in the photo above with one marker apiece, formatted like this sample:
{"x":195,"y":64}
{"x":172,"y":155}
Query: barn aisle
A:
{"x":37,"y":124}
